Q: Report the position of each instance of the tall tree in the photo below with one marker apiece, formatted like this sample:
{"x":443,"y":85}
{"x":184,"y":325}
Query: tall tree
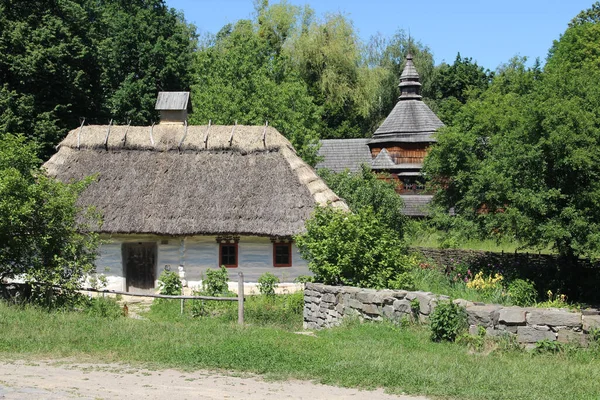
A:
{"x":451,"y":85}
{"x":42,"y":237}
{"x":244,"y":77}
{"x":61,"y":60}
{"x":523,"y":159}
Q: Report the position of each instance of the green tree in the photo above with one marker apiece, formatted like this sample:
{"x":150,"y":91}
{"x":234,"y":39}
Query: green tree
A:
{"x":522,"y":159}
{"x":451,"y":86}
{"x":43,"y":235}
{"x":354,"y":249}
{"x":364,"y":189}
{"x":61,"y":60}
{"x":143,"y":47}
{"x":243,"y":77}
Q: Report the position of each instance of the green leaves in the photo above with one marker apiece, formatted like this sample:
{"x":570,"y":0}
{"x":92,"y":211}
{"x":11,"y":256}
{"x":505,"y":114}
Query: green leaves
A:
{"x":43,"y":236}
{"x":84,"y":58}
{"x":353,"y":249}
{"x":363,"y":190}
{"x":522,"y":159}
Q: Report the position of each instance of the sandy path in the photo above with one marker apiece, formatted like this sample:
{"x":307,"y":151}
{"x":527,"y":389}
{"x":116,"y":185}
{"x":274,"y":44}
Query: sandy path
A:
{"x":47,"y":380}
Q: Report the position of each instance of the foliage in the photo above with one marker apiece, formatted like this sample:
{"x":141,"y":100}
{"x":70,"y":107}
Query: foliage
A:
{"x":44,"y":237}
{"x":447,"y":321}
{"x":557,"y":300}
{"x":215,"y":282}
{"x":484,"y":284}
{"x":352,"y":249}
{"x":281,"y":310}
{"x":267,"y":283}
{"x":311,"y":78}
{"x":589,"y":16}
{"x":264,"y":87}
{"x":304,"y":279}
{"x":452,"y":85}
{"x":102,"y":307}
{"x":364,"y":189}
{"x":97,"y":281}
{"x":548,"y":346}
{"x":522,"y":292}
{"x":169,"y":283}
{"x":521,"y":160}
{"x":86,"y":58}
{"x":475,"y":342}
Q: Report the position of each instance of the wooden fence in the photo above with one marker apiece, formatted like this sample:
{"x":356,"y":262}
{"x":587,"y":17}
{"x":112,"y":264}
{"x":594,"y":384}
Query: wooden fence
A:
{"x":239,"y":298}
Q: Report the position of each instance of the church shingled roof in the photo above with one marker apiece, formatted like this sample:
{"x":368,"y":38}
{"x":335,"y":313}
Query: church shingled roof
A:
{"x":411,"y":120}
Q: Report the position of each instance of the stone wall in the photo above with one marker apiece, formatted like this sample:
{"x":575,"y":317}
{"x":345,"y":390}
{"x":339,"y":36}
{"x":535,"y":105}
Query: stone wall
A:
{"x":326,"y":306}
{"x":578,"y":278}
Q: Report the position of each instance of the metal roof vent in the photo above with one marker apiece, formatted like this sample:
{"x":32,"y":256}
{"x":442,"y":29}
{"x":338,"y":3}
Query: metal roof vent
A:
{"x":173,"y":107}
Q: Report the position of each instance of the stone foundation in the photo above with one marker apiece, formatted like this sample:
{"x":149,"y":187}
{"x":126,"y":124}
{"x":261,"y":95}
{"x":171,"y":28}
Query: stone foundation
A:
{"x":326,"y":306}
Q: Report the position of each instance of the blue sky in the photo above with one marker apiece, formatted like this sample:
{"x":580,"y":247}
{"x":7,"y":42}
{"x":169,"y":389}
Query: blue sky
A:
{"x":490,"y":32}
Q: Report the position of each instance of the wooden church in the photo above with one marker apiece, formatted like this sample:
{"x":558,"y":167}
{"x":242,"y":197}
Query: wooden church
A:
{"x":397,"y":147}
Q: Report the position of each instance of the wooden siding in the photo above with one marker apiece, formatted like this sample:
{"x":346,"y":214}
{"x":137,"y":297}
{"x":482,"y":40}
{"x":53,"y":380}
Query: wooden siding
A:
{"x":404,"y":153}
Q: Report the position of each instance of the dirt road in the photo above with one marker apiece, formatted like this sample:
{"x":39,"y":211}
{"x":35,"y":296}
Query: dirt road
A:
{"x":54,"y":380}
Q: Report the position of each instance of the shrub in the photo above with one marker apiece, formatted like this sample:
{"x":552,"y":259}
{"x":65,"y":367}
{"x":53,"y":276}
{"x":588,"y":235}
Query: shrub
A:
{"x":215,"y":282}
{"x":169,"y":283}
{"x":548,"y":346}
{"x":103,"y":307}
{"x":363,"y":189}
{"x":44,"y":237}
{"x":353,"y":249}
{"x":304,"y":279}
{"x":447,"y":321}
{"x":267,"y":283}
{"x":487,"y":284}
{"x":522,"y":293}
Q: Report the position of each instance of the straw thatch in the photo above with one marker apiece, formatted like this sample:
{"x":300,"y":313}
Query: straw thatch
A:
{"x":178,"y":180}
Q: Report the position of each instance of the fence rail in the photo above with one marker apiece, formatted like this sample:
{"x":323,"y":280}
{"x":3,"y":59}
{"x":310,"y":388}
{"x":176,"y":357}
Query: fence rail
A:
{"x":239,"y":298}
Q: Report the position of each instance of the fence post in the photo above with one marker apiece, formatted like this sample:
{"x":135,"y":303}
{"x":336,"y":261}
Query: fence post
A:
{"x":182,"y":305}
{"x":240,"y":298}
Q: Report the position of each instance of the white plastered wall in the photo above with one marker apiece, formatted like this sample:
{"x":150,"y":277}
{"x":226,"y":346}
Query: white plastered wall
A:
{"x":192,"y":256}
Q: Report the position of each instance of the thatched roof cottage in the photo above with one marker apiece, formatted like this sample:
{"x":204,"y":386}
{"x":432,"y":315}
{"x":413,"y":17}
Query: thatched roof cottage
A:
{"x":183,"y":197}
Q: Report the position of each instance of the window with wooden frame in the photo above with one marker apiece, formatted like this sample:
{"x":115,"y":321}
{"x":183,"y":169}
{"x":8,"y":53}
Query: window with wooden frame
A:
{"x":228,"y":252}
{"x":282,"y":254}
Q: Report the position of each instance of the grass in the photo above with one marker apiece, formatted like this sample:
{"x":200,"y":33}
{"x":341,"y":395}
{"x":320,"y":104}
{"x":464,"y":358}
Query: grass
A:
{"x":428,"y":239}
{"x":434,"y":281}
{"x":282,"y":311}
{"x":356,"y":355}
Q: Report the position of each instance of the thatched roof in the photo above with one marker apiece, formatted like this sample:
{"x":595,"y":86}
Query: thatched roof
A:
{"x":173,"y":180}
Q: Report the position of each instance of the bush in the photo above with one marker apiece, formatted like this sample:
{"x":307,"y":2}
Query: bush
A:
{"x":364,"y":189}
{"x":304,"y":279}
{"x":522,"y":293}
{"x":267,"y":283}
{"x":169,"y":283}
{"x":44,"y":237}
{"x":215,"y":282}
{"x":353,"y":249}
{"x":103,"y":307}
{"x":447,"y":321}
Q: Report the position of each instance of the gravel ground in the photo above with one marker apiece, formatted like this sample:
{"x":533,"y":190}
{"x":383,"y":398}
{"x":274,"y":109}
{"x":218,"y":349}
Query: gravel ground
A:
{"x":62,"y":379}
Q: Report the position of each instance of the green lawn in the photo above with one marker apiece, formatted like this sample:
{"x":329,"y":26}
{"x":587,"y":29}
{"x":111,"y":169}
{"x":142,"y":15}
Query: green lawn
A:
{"x":357,"y":355}
{"x":423,"y":238}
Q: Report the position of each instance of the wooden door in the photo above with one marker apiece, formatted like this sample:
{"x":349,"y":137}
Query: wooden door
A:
{"x":139,"y":261}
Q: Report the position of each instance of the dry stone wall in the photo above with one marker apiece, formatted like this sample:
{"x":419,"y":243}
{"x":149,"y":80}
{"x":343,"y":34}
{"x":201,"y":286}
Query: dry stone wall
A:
{"x":326,"y":306}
